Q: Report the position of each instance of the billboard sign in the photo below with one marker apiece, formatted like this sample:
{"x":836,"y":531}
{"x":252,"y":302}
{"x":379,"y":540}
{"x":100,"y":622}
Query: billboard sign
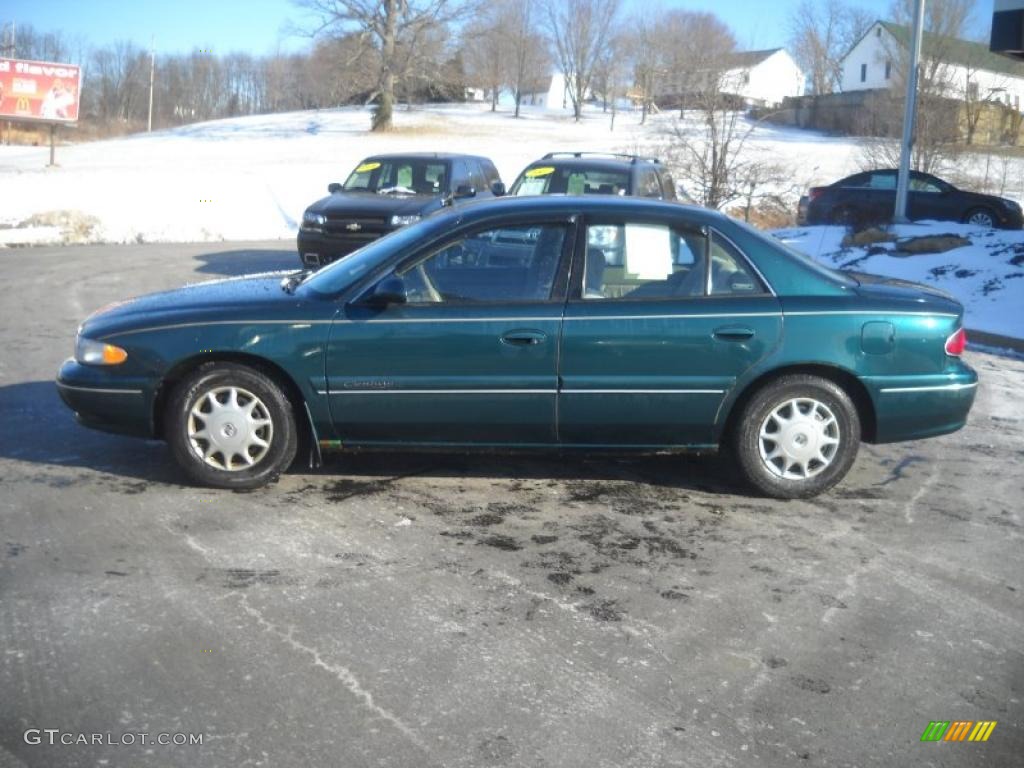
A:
{"x":40,"y":91}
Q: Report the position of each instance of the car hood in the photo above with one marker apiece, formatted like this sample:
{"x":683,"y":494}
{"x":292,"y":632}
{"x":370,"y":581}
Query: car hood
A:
{"x":252,"y":296}
{"x":372,"y":205}
{"x":891,"y":288}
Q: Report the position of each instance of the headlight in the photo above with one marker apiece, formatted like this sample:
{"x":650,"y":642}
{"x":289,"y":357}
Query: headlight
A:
{"x":312,"y":220}
{"x":91,"y":352}
{"x":403,"y":221}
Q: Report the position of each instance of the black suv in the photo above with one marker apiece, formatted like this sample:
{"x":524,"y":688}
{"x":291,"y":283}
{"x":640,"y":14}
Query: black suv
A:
{"x":596,"y":173}
{"x":870,"y":197}
{"x":386,"y":192}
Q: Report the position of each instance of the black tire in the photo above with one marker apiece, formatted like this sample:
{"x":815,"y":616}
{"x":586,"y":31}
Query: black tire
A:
{"x":820,"y":476}
{"x":981,"y":212}
{"x":281,"y":435}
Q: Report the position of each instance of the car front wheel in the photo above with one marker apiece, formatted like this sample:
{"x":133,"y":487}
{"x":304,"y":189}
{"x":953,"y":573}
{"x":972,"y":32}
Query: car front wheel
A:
{"x":981,"y":217}
{"x":230,"y":426}
{"x":797,"y":437}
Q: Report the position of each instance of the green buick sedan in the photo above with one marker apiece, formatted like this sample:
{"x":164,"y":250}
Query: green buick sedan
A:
{"x":549,"y":323}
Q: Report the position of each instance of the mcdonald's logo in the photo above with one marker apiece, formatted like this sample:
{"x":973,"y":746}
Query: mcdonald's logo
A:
{"x":958,"y":730}
{"x":21,"y":106}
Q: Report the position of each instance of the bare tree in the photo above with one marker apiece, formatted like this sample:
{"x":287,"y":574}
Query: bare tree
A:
{"x":528,"y":61}
{"x":386,"y":26}
{"x":580,"y":28}
{"x":821,"y":33}
{"x":706,"y":145}
{"x":485,"y":43}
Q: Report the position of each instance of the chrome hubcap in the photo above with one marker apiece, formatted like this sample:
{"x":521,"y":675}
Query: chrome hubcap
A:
{"x":799,"y":439}
{"x":230,"y":429}
{"x":981,"y":219}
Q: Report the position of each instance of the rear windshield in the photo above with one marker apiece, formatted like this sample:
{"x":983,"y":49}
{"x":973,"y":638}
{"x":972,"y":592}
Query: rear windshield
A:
{"x":401,"y":176}
{"x":566,"y":180}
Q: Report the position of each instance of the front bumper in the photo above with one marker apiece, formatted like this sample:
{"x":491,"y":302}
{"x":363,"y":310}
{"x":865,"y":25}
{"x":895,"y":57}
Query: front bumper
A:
{"x":105,"y":402}
{"x":911,"y":408}
{"x":317,"y":249}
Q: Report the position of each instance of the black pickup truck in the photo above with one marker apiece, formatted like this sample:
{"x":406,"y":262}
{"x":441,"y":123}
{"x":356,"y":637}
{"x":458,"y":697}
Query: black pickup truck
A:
{"x":386,"y":192}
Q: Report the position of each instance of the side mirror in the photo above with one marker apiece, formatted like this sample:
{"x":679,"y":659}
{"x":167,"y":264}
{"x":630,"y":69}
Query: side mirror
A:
{"x":498,"y":189}
{"x":334,"y":187}
{"x":465,"y":190}
{"x":390,"y":290}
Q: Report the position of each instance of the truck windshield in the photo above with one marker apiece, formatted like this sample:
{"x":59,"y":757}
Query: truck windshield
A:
{"x":404,"y":176}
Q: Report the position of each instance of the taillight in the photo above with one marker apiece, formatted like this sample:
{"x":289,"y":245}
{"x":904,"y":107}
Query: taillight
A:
{"x":814,"y":193}
{"x":956,"y":343}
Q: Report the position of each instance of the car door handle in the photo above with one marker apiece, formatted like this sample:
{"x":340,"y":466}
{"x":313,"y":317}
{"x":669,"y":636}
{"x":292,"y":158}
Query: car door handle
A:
{"x":523,"y":338}
{"x":733,"y":333}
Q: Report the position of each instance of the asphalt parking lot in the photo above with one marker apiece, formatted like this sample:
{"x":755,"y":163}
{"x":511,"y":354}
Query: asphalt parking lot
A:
{"x":435,"y":610}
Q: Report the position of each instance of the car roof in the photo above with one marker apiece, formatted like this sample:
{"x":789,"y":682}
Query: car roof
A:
{"x":426,"y":156}
{"x":585,"y":204}
{"x":591,"y":163}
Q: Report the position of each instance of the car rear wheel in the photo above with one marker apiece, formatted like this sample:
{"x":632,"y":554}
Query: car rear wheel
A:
{"x":797,"y":437}
{"x":230,"y":426}
{"x":981,"y":217}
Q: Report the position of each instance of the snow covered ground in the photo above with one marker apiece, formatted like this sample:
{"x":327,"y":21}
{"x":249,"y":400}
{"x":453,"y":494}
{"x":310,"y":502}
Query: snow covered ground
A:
{"x":251,"y":178}
{"x":987,"y":276}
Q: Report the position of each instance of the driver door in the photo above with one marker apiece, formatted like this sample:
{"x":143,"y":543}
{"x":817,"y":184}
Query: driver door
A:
{"x":469,"y":356}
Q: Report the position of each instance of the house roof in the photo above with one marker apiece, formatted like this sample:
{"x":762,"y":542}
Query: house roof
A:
{"x":741,"y":59}
{"x":964,"y":52}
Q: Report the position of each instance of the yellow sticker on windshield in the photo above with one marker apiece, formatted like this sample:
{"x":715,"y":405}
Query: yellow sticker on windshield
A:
{"x":367,"y":167}
{"x":542,"y":171}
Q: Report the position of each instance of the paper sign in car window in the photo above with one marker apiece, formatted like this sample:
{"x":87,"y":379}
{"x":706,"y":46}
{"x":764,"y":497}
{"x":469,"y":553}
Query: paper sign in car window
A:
{"x":532,"y":186}
{"x":544,"y":170}
{"x":577,"y":184}
{"x":367,"y":167}
{"x":648,"y":251}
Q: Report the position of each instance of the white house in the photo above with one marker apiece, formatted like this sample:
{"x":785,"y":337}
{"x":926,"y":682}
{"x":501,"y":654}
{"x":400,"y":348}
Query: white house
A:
{"x":550,"y":93}
{"x":968,"y":69}
{"x":763,"y":78}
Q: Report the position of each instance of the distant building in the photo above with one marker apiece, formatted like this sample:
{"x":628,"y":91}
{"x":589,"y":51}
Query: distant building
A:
{"x":551,"y":93}
{"x":969,"y":70}
{"x":762,"y":78}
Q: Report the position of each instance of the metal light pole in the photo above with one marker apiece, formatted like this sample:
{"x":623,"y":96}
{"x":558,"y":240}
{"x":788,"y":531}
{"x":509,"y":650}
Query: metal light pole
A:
{"x":909,"y":116}
{"x":152,"y":69}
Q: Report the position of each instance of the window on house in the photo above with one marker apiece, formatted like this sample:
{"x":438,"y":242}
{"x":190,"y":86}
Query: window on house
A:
{"x":878,"y":31}
{"x":888,"y":69}
{"x":863,"y":72}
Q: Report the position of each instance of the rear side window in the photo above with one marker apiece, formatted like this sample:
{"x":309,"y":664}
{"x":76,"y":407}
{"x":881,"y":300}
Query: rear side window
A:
{"x":658,"y":261}
{"x":649,"y":185}
{"x":882,"y":181}
{"x":669,"y":186}
{"x":730,"y":273}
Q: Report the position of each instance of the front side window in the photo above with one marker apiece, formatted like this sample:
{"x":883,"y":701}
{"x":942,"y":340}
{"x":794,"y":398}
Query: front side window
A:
{"x":507,"y":264}
{"x":400,"y":177}
{"x":650,"y":186}
{"x":924,"y":184}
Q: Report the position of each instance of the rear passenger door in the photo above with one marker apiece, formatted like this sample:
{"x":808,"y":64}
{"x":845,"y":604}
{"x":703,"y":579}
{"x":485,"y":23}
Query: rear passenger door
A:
{"x":664,"y":317}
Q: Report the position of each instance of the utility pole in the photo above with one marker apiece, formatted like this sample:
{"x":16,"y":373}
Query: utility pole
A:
{"x":909,"y":116}
{"x":152,"y":70}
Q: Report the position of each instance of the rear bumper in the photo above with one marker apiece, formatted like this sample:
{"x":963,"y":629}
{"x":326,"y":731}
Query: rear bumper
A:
{"x":316,"y":249}
{"x":101,"y":401}
{"x":911,"y":408}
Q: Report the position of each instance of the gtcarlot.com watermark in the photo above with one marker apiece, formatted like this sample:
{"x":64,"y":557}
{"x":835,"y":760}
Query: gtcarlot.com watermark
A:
{"x":55,"y":736}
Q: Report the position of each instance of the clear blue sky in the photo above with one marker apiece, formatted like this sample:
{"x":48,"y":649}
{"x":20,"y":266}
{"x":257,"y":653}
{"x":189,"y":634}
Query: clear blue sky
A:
{"x":260,"y":26}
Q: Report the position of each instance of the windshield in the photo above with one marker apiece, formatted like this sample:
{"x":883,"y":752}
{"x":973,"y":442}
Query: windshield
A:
{"x":342,"y":273}
{"x":566,"y":180}
{"x":399,"y":176}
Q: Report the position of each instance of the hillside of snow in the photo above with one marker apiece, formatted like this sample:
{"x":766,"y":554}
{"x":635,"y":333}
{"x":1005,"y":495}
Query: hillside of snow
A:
{"x":250,"y":178}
